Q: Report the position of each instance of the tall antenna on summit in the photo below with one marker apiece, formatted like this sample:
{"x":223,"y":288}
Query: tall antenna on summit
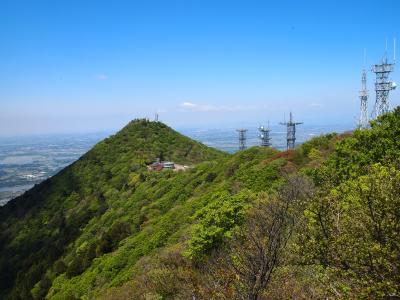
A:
{"x":363,"y":121}
{"x":383,"y":85}
{"x":291,"y":132}
{"x":242,"y":138}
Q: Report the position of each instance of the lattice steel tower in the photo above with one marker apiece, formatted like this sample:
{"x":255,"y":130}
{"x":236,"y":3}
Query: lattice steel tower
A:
{"x":264,"y":136}
{"x":383,"y":85}
{"x":363,"y":121}
{"x":291,"y":132}
{"x":242,"y":139}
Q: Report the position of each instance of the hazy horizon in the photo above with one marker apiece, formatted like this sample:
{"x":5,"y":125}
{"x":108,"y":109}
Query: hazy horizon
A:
{"x":276,"y":127}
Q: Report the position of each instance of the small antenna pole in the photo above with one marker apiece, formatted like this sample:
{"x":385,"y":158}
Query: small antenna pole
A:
{"x":386,"y":50}
{"x":365,"y":58}
{"x":394,"y":50}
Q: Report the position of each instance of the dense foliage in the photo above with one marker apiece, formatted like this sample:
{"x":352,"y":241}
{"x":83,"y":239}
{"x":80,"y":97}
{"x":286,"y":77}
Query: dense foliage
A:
{"x":321,"y":221}
{"x":60,"y":226}
{"x":354,"y":223}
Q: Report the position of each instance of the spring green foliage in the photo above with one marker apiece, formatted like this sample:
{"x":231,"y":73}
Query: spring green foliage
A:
{"x":353,"y":225}
{"x":106,"y":227}
{"x":218,"y":220}
{"x":354,"y":230}
{"x":89,"y":208}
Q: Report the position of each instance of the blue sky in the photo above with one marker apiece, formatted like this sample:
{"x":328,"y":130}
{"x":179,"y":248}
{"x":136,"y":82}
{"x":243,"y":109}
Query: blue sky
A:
{"x":85,"y":65}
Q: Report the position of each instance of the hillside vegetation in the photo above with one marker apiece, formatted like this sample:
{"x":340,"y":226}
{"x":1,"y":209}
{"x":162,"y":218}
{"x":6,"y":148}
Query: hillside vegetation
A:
{"x":321,"y":221}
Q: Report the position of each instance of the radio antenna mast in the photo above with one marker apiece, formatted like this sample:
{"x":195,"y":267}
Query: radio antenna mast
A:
{"x":242,"y":138}
{"x":264,"y":136}
{"x":383,"y":85}
{"x":291,"y":132}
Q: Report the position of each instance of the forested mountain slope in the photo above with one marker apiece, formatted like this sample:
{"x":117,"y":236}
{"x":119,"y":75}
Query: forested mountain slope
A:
{"x":321,"y":221}
{"x":40,"y":227}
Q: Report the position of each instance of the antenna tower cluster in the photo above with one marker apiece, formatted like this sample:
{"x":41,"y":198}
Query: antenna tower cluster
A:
{"x":265,"y":135}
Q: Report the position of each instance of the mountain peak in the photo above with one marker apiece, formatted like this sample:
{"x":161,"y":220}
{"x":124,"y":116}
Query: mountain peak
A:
{"x":146,"y":140}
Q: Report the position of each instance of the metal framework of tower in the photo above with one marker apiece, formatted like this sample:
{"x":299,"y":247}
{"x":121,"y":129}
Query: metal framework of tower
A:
{"x":264,"y":136}
{"x":291,"y":132}
{"x":242,"y":139}
{"x":363,"y":121}
{"x":383,"y":85}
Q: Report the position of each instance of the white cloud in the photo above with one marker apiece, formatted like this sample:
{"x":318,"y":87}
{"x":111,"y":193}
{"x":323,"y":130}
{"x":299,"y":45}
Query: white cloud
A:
{"x":315,"y":104}
{"x":190,"y":106}
{"x":102,"y":77}
{"x":198,"y":107}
